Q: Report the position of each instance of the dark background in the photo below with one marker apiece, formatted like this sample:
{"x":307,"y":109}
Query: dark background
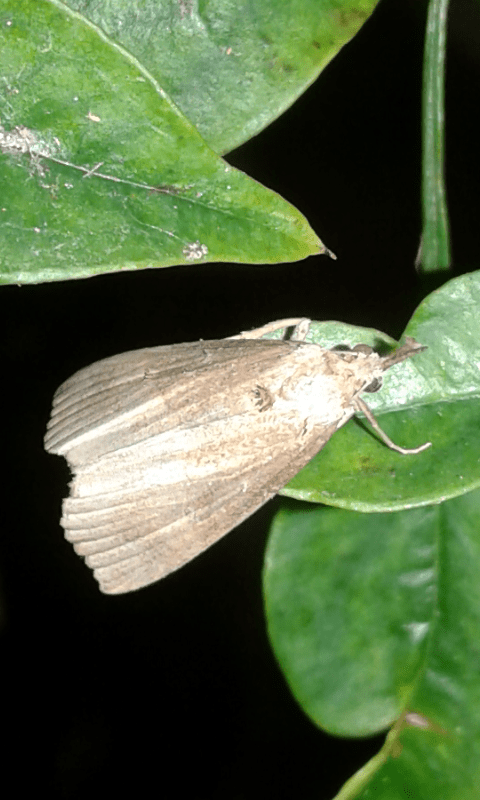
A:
{"x":174,"y":690}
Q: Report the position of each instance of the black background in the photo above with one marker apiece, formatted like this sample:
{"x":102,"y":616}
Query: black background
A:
{"x":174,"y":690}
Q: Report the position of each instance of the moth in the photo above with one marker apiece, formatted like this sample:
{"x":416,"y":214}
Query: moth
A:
{"x":171,"y":447}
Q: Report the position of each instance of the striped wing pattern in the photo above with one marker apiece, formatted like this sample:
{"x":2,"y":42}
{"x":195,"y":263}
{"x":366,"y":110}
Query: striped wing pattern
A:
{"x":170,"y":449}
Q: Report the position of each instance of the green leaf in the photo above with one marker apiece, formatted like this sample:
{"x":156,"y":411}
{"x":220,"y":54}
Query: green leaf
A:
{"x":375,"y":617}
{"x":231,"y":67}
{"x":433,"y":397}
{"x":100,"y":171}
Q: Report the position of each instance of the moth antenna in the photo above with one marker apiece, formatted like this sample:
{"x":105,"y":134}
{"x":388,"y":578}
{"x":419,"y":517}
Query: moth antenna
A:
{"x":410,"y":348}
{"x":362,"y":406}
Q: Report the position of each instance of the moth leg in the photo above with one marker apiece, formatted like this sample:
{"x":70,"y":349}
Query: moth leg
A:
{"x":301,"y":325}
{"x":301,"y":330}
{"x":362,"y":406}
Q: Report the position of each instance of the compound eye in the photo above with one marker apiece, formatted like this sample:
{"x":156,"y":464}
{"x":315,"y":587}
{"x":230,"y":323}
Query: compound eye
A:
{"x":374,"y":386}
{"x":363,"y":348}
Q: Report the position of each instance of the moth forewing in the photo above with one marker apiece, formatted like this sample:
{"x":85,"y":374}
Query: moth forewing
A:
{"x":172,"y":447}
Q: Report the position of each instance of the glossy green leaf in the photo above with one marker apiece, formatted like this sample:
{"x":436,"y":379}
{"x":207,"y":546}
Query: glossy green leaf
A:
{"x":432,"y":397}
{"x":100,"y":171}
{"x":231,"y":67}
{"x":375,"y":620}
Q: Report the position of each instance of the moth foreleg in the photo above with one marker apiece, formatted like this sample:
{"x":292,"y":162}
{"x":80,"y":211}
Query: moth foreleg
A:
{"x":362,"y":406}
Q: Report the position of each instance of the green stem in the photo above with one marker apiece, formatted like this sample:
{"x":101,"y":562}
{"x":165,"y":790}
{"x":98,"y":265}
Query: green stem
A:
{"x":435,"y":253}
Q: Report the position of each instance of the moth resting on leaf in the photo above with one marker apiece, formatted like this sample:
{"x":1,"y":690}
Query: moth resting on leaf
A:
{"x":171,"y":447}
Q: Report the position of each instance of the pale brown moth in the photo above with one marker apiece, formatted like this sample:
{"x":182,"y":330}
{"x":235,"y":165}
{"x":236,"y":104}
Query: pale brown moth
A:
{"x":172,"y":447}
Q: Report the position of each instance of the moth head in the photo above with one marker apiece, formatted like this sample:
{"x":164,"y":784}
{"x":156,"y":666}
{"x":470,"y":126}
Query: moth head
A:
{"x":376,"y":383}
